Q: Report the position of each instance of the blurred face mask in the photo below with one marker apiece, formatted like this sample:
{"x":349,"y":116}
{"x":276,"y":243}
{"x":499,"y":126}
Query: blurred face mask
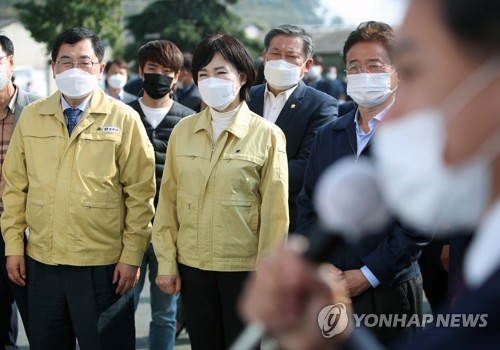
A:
{"x":117,"y":81}
{"x":418,"y":185}
{"x":314,"y":72}
{"x":3,"y":76}
{"x":76,"y":83}
{"x":281,"y":74}
{"x":217,"y":93}
{"x":369,"y":89}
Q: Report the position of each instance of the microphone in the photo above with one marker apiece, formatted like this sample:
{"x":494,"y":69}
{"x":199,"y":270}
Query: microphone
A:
{"x":349,"y":203}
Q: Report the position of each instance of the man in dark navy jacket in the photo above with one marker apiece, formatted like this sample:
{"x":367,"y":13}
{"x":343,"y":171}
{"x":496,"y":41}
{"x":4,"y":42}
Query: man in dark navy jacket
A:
{"x":299,"y":110}
{"x":381,"y":271}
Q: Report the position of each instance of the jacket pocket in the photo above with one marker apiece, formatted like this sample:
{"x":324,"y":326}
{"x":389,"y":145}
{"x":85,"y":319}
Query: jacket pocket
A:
{"x":96,"y":226}
{"x":187,"y":216}
{"x":97,"y":155}
{"x":240,"y":174}
{"x":38,"y":220}
{"x":237,"y":229}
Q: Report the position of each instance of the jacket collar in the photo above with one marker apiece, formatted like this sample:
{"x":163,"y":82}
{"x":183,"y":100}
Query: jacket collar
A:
{"x":97,"y":105}
{"x":239,"y":127}
{"x":345,"y":121}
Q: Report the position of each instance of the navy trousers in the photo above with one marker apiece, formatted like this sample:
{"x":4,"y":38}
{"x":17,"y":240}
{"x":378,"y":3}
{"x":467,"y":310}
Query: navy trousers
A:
{"x":78,"y":302}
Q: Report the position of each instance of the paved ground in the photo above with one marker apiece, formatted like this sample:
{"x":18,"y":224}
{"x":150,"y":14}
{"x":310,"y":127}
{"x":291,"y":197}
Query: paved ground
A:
{"x":142,"y":319}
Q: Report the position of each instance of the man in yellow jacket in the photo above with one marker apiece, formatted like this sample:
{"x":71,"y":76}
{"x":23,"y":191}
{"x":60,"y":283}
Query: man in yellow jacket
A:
{"x":79,"y":174}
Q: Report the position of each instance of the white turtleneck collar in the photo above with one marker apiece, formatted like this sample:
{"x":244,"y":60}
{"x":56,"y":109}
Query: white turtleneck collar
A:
{"x":221,"y":121}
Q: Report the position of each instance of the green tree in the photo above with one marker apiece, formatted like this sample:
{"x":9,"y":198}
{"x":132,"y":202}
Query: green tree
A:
{"x":270,"y":13}
{"x":185,"y":23}
{"x":46,"y":20}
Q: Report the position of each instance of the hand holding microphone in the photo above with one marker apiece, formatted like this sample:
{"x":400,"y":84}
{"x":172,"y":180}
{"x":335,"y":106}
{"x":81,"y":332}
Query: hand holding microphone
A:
{"x":349,"y":205}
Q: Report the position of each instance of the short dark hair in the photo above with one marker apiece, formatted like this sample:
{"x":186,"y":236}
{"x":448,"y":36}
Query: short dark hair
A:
{"x":122,"y":64}
{"x":75,"y":35}
{"x":372,"y":32}
{"x":233,"y":52}
{"x":318,"y":60}
{"x":188,"y":61}
{"x":163,"y":52}
{"x":7,"y":45}
{"x":293,"y":31}
{"x":475,"y":23}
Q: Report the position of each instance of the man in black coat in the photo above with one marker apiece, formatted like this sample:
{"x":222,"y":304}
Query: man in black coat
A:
{"x":160,"y":62}
{"x":299,"y":110}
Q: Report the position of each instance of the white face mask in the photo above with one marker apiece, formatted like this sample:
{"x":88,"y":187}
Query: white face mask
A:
{"x":4,"y":80}
{"x":117,"y":81}
{"x":331,"y":76}
{"x":314,"y":72}
{"x":76,"y":83}
{"x":369,"y":89}
{"x":419,"y":187}
{"x":281,"y":74}
{"x":217,"y":93}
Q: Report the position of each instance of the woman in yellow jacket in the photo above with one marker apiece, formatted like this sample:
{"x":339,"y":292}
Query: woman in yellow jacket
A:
{"x":223,"y":202}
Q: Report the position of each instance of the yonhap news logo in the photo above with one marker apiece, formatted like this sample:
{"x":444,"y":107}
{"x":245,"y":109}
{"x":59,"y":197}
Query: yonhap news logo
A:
{"x":333,"y":320}
{"x":416,"y":321}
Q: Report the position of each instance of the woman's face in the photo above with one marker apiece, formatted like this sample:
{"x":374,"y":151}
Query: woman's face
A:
{"x":218,"y":67}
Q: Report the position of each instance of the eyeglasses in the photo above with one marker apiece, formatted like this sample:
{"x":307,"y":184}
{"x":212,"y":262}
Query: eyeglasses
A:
{"x":85,"y":65}
{"x":371,"y":68}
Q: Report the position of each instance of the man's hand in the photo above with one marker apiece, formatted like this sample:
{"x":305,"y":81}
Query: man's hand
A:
{"x":169,"y":284}
{"x":286,"y":295}
{"x":16,"y":269}
{"x":127,"y":276}
{"x":356,"y":282}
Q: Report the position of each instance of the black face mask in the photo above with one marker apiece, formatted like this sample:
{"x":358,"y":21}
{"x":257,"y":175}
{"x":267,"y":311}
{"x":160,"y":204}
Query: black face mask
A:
{"x":157,"y":85}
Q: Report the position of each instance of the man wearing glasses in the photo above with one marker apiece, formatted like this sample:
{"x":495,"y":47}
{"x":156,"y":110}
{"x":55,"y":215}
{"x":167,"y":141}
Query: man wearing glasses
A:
{"x":12,"y":101}
{"x":381,"y":271}
{"x":79,"y":173}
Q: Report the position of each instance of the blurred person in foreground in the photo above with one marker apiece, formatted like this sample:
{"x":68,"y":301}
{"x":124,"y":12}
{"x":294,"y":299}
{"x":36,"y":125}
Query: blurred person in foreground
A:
{"x":160,"y":62}
{"x":12,"y":101}
{"x":381,"y":271}
{"x":116,"y":78}
{"x":285,"y":100}
{"x":223,"y":198}
{"x":445,"y":122}
{"x":79,"y":173}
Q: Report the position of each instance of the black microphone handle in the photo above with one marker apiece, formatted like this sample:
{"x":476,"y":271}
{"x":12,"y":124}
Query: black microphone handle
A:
{"x":322,"y":244}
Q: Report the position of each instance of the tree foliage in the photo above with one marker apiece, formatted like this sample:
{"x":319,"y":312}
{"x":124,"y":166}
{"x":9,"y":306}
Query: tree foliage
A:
{"x":185,"y":23}
{"x":46,"y":20}
{"x":269,"y":14}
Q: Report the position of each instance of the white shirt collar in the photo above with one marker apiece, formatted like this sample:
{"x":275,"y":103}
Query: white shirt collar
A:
{"x":82,"y":106}
{"x":287,"y":93}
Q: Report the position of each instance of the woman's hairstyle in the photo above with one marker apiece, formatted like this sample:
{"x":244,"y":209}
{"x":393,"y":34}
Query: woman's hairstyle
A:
{"x":232,"y":50}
